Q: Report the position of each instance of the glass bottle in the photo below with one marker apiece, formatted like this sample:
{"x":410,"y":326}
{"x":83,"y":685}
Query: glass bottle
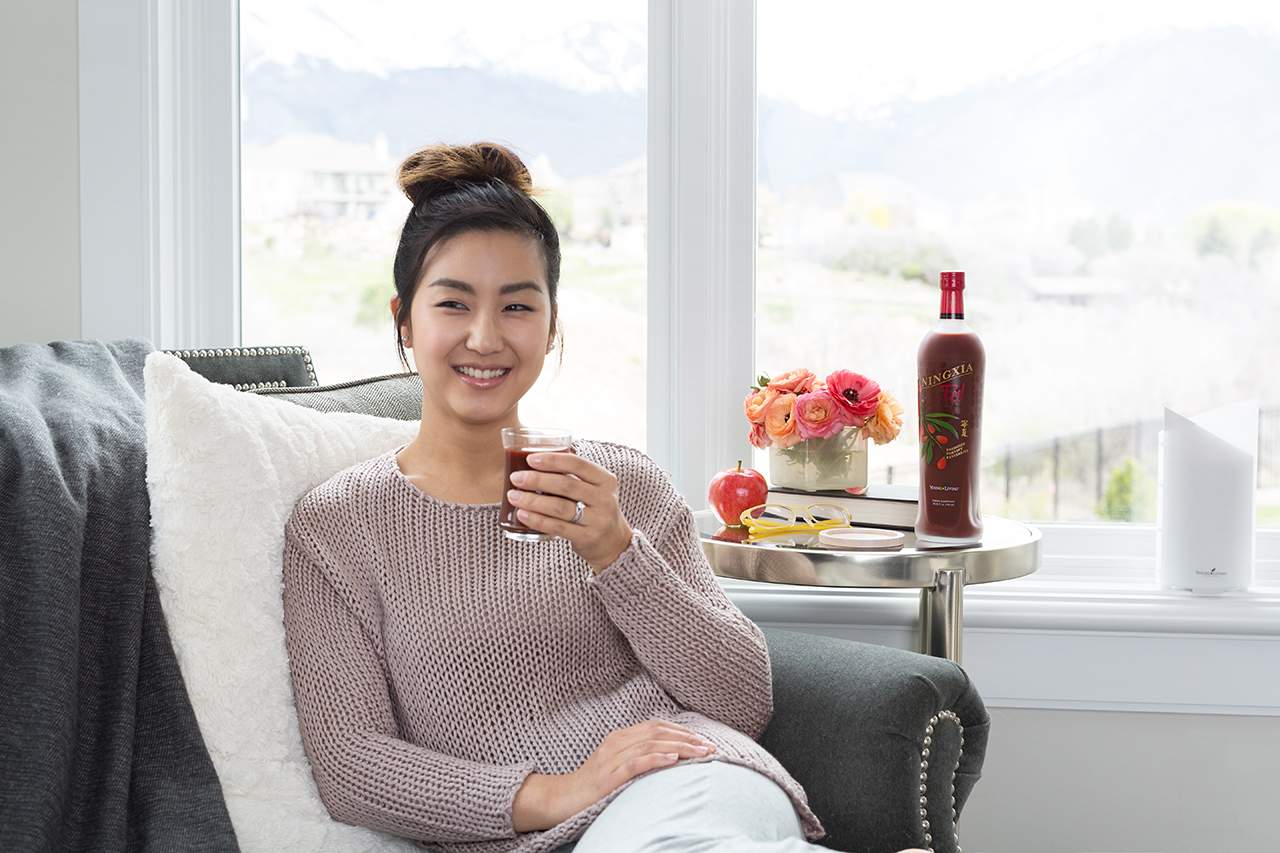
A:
{"x":950,"y":366}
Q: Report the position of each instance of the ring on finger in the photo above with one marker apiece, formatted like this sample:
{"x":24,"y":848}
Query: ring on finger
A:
{"x":577,"y":515}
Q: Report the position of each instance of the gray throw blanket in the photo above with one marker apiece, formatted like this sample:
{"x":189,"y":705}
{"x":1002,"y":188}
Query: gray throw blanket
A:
{"x":99,"y":747}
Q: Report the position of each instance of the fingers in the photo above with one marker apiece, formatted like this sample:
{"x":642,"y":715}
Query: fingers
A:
{"x":571,"y":463}
{"x":649,"y":754}
{"x":663,"y":729}
{"x":652,"y":743}
{"x":548,"y":505}
{"x":679,"y":748}
{"x":552,"y":484}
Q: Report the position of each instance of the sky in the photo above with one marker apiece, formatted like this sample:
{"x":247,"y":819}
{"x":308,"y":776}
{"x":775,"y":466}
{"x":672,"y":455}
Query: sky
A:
{"x":869,"y":53}
{"x":830,"y":57}
{"x":385,"y":35}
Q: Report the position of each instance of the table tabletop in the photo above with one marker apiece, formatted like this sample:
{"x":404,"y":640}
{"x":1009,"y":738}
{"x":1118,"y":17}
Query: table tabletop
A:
{"x":1009,"y":549}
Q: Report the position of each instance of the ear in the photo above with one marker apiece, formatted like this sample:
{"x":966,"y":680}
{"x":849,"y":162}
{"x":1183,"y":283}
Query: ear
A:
{"x":406,"y":331}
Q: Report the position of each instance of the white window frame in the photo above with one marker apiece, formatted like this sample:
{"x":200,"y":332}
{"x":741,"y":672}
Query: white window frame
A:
{"x":160,"y":225}
{"x":160,"y":237}
{"x":160,"y":171}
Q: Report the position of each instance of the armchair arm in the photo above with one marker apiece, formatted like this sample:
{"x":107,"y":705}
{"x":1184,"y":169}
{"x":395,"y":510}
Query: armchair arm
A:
{"x":850,"y":723}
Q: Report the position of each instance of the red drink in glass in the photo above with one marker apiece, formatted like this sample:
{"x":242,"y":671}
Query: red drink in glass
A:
{"x":519,"y":444}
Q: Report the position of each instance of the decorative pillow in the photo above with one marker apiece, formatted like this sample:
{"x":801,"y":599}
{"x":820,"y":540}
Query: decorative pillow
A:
{"x":224,"y":470}
{"x":397,"y":395}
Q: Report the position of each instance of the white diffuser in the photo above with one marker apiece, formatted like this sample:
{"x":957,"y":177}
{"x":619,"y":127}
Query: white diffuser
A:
{"x":1207,"y":479}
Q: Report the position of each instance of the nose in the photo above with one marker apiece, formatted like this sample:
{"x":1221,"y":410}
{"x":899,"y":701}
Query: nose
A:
{"x":483,"y":336}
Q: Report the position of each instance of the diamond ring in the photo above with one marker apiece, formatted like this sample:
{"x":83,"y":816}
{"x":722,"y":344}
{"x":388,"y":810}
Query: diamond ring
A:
{"x":577,"y":516}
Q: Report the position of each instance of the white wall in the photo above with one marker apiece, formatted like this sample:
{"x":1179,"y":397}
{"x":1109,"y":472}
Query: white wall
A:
{"x":39,"y":172}
{"x":1073,"y":781}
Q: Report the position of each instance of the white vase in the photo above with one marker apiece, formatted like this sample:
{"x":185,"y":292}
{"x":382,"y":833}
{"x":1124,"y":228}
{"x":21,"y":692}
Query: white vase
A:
{"x":817,"y":464}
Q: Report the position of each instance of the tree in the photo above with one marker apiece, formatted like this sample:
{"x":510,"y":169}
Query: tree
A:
{"x":1087,"y":236}
{"x":1130,"y":494}
{"x":1263,"y":242}
{"x":1213,"y":240}
{"x":1119,"y":233}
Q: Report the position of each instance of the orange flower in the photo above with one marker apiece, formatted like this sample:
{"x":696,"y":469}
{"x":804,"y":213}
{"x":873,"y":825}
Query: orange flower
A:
{"x":884,"y":426}
{"x":780,"y":421}
{"x":798,"y":381}
{"x":756,"y":403}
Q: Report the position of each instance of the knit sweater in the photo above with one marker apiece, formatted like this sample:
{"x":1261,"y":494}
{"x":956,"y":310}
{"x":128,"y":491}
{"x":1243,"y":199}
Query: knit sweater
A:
{"x":436,"y":663}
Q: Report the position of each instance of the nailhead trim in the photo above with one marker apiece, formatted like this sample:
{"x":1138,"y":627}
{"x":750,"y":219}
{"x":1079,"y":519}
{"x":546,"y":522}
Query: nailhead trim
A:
{"x":252,"y":351}
{"x":253,"y":386}
{"x":924,"y":777}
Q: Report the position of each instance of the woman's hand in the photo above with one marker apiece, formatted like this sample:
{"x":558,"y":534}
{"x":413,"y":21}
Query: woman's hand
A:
{"x":603,"y":532}
{"x":621,"y":756}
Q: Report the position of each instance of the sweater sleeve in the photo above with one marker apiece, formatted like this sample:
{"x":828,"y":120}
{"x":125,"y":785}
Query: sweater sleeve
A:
{"x":365,"y":773}
{"x":686,"y":632}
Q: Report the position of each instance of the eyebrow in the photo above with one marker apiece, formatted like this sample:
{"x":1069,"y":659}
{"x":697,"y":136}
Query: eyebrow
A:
{"x":466,"y":288}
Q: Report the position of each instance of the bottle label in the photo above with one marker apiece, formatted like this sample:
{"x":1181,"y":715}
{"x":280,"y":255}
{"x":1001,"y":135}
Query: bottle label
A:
{"x":946,"y":408}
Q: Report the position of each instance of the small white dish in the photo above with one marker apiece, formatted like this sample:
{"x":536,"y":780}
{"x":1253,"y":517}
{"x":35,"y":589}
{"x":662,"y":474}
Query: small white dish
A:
{"x":862,"y":538}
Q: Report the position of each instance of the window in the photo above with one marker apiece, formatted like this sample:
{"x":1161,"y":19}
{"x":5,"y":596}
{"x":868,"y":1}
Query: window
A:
{"x":1102,"y":172}
{"x":334,"y":96}
{"x":169,"y":280}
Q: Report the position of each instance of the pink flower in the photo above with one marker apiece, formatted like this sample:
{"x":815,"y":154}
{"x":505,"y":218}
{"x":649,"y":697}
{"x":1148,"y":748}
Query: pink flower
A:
{"x":758,"y":437}
{"x":756,"y":403}
{"x":856,"y":393}
{"x":819,"y":415}
{"x":798,"y":381}
{"x":780,"y":422}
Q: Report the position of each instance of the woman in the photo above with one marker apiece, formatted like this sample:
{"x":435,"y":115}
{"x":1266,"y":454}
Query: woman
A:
{"x":476,"y":693}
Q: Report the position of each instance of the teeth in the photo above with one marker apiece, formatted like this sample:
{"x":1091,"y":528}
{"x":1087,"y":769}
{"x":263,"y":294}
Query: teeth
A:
{"x":480,"y":374}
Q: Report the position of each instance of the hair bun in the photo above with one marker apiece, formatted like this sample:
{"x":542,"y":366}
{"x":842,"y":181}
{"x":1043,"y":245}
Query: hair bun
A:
{"x":437,"y":168}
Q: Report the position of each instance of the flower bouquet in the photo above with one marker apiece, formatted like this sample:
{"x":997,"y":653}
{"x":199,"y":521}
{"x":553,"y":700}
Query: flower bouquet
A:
{"x":817,"y":430}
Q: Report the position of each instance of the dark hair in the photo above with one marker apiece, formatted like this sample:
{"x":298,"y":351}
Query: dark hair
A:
{"x":457,"y":188}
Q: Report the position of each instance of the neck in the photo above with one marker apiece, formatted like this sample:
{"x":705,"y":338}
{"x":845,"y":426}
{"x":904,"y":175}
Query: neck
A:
{"x":952,"y":305}
{"x":458,"y":451}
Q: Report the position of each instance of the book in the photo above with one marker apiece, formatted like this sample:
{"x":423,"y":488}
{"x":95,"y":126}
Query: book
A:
{"x":893,"y":506}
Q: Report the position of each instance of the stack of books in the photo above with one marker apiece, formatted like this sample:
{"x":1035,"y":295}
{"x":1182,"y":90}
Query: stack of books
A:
{"x":882,"y":506}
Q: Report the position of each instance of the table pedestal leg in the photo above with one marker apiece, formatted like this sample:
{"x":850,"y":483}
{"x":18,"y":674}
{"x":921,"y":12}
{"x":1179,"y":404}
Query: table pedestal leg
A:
{"x":942,"y":615}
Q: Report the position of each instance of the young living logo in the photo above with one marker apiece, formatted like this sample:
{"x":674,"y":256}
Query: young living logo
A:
{"x":1212,"y":572}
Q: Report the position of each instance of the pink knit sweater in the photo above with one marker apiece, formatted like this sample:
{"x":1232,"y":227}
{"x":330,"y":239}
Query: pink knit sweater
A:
{"x":435,"y":663}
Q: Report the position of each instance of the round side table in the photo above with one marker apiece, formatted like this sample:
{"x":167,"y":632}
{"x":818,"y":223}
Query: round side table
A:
{"x":1009,"y":549}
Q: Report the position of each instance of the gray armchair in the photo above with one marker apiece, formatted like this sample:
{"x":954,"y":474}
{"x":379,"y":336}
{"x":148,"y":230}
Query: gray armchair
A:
{"x":887,"y":743}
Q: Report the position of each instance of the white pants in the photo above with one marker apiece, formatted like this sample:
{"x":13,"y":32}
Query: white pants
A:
{"x":697,"y":808}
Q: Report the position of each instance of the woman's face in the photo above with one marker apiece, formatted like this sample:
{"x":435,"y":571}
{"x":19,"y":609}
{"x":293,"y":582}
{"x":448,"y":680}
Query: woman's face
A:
{"x":481,"y":302}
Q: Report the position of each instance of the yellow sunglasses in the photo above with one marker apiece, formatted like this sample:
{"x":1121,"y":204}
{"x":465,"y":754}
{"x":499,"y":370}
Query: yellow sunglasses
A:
{"x":775,"y":519}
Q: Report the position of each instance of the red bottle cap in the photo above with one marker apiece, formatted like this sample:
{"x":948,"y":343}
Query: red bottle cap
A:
{"x":953,"y":280}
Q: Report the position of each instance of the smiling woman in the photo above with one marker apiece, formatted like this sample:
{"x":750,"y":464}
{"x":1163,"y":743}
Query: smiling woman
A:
{"x":476,"y":274}
{"x":619,"y":587}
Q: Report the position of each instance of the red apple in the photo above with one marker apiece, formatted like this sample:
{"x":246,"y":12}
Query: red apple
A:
{"x":735,"y":489}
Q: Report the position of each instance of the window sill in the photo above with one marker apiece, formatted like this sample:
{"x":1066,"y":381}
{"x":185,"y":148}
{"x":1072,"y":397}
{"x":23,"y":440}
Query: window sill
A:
{"x":1052,"y":642}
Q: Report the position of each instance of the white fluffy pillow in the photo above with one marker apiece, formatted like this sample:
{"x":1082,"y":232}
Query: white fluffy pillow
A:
{"x":224,"y":469}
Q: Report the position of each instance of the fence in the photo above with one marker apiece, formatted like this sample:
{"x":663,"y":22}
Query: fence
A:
{"x":1066,"y":478}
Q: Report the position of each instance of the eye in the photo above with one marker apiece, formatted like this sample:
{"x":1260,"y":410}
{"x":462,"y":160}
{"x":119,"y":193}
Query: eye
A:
{"x":452,"y":302}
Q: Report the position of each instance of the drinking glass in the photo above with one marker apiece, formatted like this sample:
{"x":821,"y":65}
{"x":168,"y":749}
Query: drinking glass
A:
{"x":519,"y":442}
